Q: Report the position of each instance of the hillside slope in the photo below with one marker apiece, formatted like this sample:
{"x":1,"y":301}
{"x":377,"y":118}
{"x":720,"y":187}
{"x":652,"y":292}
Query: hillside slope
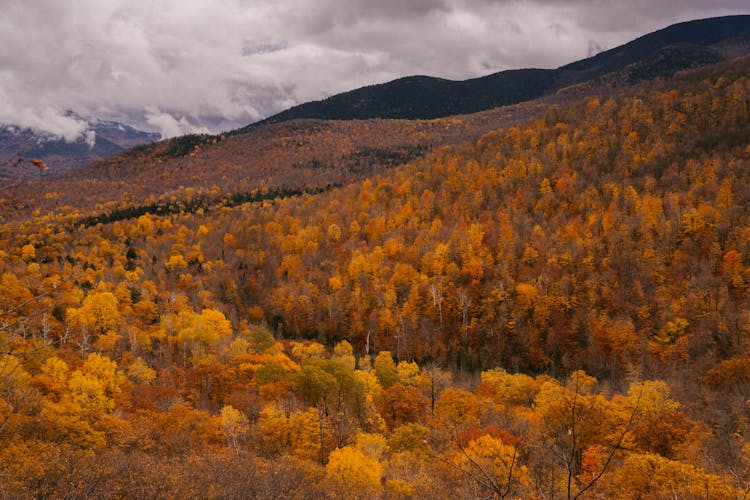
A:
{"x":623,"y":196}
{"x":298,"y":155}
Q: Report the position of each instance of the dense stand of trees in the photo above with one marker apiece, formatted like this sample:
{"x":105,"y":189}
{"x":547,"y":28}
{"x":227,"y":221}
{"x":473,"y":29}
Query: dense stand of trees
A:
{"x":557,"y":309}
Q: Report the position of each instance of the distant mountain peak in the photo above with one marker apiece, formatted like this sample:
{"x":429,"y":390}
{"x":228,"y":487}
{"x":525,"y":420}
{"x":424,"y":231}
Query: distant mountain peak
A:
{"x":100,"y":139}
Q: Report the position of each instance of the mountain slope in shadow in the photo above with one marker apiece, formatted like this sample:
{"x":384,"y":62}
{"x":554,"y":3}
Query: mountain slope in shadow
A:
{"x":661,"y":53}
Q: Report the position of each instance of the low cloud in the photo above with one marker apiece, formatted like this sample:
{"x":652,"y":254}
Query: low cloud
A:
{"x":168,"y":126}
{"x":179,"y":66}
{"x":45,"y":121}
{"x":89,"y":138}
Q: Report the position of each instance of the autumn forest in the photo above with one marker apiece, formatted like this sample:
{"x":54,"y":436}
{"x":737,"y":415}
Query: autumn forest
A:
{"x":546,"y":300}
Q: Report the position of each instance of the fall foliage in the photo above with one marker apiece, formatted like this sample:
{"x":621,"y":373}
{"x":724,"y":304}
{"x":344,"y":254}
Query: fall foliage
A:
{"x":556,"y":308}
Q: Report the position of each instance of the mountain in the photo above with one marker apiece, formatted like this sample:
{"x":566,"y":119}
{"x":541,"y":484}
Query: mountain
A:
{"x":661,"y":53}
{"x":101,"y":140}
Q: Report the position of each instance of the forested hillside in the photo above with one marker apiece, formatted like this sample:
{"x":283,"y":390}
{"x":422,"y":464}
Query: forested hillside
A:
{"x":299,"y":155}
{"x":556,"y":309}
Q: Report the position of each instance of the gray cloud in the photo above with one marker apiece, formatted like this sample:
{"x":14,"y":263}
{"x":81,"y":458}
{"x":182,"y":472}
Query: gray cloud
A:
{"x":180,"y":66}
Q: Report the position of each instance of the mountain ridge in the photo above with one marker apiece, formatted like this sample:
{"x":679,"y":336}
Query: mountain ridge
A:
{"x":660,"y":53}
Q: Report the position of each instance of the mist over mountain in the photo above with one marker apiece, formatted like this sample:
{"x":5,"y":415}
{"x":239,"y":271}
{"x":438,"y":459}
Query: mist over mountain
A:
{"x":100,"y":139}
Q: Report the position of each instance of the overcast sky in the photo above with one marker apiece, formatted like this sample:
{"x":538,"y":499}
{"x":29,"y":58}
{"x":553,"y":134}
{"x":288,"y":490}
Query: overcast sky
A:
{"x":178,"y":66}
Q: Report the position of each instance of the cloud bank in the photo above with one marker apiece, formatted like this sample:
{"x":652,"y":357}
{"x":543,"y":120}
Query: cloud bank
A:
{"x":179,"y":66}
